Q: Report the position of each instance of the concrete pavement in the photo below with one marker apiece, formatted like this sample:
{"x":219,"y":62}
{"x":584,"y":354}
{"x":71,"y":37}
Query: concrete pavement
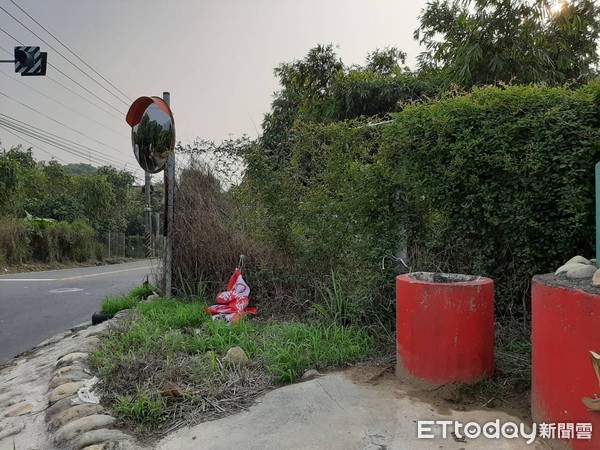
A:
{"x":333,"y":412}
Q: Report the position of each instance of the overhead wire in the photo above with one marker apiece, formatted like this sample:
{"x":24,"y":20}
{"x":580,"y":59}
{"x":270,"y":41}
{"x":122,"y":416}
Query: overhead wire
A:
{"x":50,"y":138}
{"x":58,"y":122}
{"x":66,"y":143}
{"x":61,"y":103}
{"x":82,"y":156}
{"x":66,"y":87}
{"x":61,"y":72}
{"x":33,"y":145}
{"x":64,"y":57}
{"x":72,"y":52}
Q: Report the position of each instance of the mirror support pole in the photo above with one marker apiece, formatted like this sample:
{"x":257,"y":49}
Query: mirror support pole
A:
{"x":169,"y":188}
{"x":148,"y":217}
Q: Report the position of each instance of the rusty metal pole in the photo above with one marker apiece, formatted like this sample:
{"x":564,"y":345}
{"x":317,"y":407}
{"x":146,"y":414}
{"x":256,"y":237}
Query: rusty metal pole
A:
{"x":148,"y":217}
{"x":169,"y":188}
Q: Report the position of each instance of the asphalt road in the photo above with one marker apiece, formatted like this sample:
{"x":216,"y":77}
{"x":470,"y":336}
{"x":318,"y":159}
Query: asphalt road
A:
{"x":35,"y":306}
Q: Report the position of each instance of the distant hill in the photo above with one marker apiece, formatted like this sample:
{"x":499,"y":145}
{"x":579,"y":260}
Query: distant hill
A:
{"x":81,"y":169}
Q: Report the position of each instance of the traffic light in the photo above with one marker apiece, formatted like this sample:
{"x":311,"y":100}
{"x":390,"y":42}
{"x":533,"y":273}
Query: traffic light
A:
{"x":30,"y":62}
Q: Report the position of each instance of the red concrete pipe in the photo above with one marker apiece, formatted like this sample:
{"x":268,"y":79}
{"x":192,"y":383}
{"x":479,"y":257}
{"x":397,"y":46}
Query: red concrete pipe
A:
{"x":445,"y":327}
{"x":565,"y":327}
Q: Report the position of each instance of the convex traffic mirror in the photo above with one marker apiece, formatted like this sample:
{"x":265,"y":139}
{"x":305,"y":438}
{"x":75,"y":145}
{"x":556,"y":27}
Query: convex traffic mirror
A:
{"x":152,"y":132}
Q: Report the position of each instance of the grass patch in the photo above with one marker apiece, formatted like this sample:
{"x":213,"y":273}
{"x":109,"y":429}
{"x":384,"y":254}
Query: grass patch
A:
{"x":112,"y":305}
{"x":165,"y":368}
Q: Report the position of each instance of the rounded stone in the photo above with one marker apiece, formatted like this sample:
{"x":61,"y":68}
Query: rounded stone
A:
{"x":89,"y":344}
{"x":11,"y":430}
{"x":579,"y":260}
{"x":64,"y":390}
{"x":65,"y":369}
{"x":60,"y":406}
{"x":310,"y":374}
{"x":581,"y":271}
{"x":20,"y":410}
{"x":69,"y":358}
{"x":69,"y":377}
{"x":596,"y":278}
{"x":73,"y":429}
{"x":565,"y":268}
{"x":75,"y":412}
{"x":98,"y":436}
{"x":236,"y":355}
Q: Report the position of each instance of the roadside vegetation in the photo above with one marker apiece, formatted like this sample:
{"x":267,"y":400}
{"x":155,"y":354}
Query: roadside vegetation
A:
{"x":112,"y":305}
{"x":479,"y":161}
{"x":53,"y":214}
{"x":166,"y":365}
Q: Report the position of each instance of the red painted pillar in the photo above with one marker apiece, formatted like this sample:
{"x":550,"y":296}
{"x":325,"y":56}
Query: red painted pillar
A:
{"x":445,"y":327}
{"x":565,"y":327}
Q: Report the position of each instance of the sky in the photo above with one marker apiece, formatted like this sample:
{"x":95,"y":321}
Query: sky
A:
{"x":215,"y":57}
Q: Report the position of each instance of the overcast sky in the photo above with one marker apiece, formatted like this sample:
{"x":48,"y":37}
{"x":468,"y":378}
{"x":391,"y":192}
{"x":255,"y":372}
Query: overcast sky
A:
{"x":216,"y":57}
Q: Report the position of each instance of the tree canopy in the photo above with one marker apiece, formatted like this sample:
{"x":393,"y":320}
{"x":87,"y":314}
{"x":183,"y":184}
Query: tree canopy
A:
{"x":479,"y":42}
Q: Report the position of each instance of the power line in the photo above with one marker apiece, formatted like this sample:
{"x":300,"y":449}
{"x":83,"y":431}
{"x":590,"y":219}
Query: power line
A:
{"x":65,"y":144}
{"x":66,"y":87}
{"x":47,"y":141}
{"x":64,"y":57}
{"x":60,"y":103}
{"x":60,"y":71}
{"x":32,"y":144}
{"x":58,"y":122}
{"x":83,"y":156}
{"x":71,"y":51}
{"x":56,"y":143}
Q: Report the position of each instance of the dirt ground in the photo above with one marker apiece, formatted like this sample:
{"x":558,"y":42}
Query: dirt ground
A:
{"x":443,"y":398}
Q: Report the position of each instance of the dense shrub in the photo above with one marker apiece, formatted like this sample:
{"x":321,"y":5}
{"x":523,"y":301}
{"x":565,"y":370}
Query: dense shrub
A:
{"x":504,"y":177}
{"x":62,"y":241}
{"x":497,"y":182}
{"x":14,"y":241}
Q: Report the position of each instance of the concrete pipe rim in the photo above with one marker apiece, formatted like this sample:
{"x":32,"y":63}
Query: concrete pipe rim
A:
{"x":445,"y":278}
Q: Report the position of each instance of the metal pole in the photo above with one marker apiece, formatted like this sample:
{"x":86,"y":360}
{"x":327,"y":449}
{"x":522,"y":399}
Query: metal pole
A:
{"x":169,"y":187}
{"x":598,"y":215}
{"x":148,"y":218}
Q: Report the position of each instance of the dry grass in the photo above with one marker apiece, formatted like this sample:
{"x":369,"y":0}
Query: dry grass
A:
{"x":207,"y":248}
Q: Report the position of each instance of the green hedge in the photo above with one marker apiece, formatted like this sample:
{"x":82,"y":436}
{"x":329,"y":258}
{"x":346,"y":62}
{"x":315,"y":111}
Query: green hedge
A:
{"x":497,"y":182}
{"x":504,"y":177}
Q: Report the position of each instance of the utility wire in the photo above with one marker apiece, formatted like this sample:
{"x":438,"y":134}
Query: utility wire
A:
{"x":60,"y":71}
{"x":66,"y":87}
{"x":60,"y":103}
{"x":80,"y":155}
{"x":63,"y":56}
{"x":58,"y":122}
{"x":50,"y":142}
{"x":32,"y":144}
{"x":67,"y":143}
{"x":57,"y":144}
{"x":71,"y":51}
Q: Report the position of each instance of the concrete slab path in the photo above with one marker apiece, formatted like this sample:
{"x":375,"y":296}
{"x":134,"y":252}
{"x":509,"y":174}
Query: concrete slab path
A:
{"x":332,"y":412}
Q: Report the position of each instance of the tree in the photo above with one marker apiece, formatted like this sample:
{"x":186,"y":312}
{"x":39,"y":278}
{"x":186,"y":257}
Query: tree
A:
{"x":121,"y":182}
{"x":478,"y":42}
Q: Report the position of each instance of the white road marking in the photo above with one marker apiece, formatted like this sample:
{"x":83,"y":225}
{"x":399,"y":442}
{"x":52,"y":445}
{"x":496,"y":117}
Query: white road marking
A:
{"x":28,"y":279}
{"x":91,"y":275}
